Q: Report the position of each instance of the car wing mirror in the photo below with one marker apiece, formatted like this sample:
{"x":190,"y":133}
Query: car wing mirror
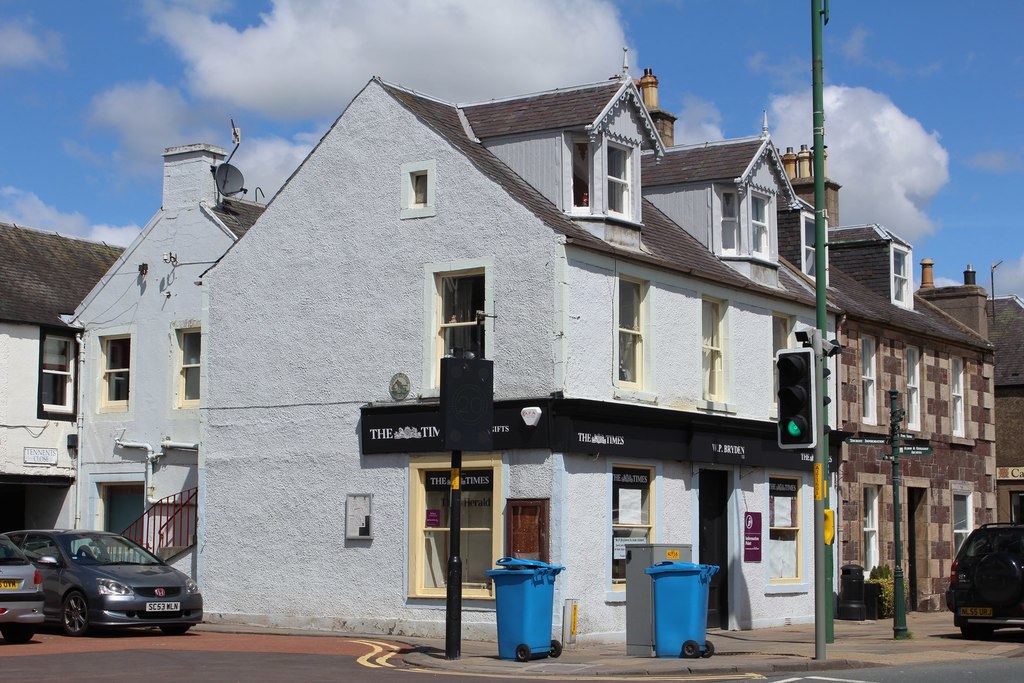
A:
{"x":48,"y":561}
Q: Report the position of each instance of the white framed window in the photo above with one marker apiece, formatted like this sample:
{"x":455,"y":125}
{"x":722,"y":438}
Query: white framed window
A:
{"x":730,"y":223}
{"x":902,"y":285}
{"x":712,"y":352}
{"x":581,"y":173}
{"x":631,"y":326}
{"x":913,"y":378}
{"x":460,"y":331}
{"x":116,"y":381}
{"x":871,"y":492}
{"x":759,"y":226}
{"x":632,"y":521}
{"x":809,"y":239}
{"x":869,"y":395}
{"x":784,"y":523}
{"x":429,"y":530}
{"x":956,"y":388}
{"x":57,"y":374}
{"x":963,"y":520}
{"x":620,"y":195}
{"x":782,"y":328}
{"x":418,"y":181}
{"x":189,"y":355}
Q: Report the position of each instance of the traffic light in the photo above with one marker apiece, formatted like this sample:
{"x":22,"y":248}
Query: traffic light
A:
{"x":798,"y":414}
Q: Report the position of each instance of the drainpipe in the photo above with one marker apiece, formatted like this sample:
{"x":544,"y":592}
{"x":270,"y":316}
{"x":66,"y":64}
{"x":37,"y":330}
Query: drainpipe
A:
{"x":80,"y":429}
{"x":167,"y":445}
{"x":151,"y":458}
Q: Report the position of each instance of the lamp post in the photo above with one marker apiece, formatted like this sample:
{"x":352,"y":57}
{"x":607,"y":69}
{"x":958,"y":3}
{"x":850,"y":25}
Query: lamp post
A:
{"x":899,"y":619}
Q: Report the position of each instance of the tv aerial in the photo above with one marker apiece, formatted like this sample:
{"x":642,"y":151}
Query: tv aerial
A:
{"x":228,"y":178}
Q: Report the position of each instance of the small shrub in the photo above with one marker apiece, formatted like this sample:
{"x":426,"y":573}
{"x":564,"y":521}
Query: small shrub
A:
{"x":881,"y":571}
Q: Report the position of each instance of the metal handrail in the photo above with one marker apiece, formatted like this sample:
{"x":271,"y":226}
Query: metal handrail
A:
{"x":171,"y":521}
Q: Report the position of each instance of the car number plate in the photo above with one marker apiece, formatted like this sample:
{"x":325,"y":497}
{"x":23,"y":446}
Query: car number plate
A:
{"x":975,"y":611}
{"x":9,"y":584}
{"x":163,"y":606}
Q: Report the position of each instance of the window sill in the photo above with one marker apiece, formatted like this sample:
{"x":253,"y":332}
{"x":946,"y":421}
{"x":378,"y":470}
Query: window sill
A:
{"x":798,"y":587}
{"x":113,"y":409}
{"x":422,"y":212}
{"x":716,"y":407}
{"x":625,"y":394}
{"x":615,"y":597}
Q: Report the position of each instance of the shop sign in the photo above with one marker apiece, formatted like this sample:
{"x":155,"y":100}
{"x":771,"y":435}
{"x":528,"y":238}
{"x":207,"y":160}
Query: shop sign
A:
{"x":40,"y":456}
{"x":469,"y":480}
{"x":617,"y":439}
{"x":752,"y":537}
{"x":1010,"y":473}
{"x":419,"y":431}
{"x":782,"y":487}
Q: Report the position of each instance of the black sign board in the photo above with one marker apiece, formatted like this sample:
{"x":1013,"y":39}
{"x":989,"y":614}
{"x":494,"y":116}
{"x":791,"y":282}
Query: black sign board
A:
{"x":740,"y":449}
{"x":620,"y":439}
{"x":467,"y":404}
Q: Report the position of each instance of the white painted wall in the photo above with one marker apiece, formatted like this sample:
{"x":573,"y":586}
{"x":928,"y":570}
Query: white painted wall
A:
{"x":21,"y":428}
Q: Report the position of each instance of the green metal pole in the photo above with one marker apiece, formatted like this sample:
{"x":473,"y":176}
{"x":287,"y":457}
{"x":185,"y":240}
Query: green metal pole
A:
{"x":899,"y":618}
{"x":822,"y":554}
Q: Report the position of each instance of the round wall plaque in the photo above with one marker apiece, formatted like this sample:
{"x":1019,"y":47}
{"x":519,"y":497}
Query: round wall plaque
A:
{"x":398,"y":387}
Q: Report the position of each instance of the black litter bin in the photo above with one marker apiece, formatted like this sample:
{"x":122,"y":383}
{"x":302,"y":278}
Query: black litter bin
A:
{"x":851,"y":593}
{"x":872,"y":600}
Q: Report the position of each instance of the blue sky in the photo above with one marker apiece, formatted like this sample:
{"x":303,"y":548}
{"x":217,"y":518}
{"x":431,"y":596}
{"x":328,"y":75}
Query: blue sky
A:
{"x":924,"y":100}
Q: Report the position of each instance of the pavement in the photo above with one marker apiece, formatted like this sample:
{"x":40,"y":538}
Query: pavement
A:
{"x":857,"y":644}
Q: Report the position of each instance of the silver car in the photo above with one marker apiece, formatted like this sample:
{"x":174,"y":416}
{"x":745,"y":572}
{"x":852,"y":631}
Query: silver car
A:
{"x":21,"y":595}
{"x":101,"y":579}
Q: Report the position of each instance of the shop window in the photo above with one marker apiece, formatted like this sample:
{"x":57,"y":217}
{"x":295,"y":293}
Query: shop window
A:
{"x":870,"y":527}
{"x":784,"y":528}
{"x":631,"y":515}
{"x":429,"y":530}
{"x":1017,"y":507}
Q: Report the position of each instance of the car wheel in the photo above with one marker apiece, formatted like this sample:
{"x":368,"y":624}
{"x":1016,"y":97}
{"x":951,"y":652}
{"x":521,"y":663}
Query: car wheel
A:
{"x":998,"y":579}
{"x":17,"y":633}
{"x":976,"y":632}
{"x":74,"y":617}
{"x":176,"y":629}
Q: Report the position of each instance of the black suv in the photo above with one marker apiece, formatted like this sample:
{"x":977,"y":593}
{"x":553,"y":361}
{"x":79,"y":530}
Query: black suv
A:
{"x":986,"y":581}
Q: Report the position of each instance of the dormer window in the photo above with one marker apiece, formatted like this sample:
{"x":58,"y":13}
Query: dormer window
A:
{"x":581,"y":175}
{"x":619,"y":195}
{"x":809,"y":240}
{"x":901,"y":285}
{"x":730,"y":224}
{"x":759,"y":226}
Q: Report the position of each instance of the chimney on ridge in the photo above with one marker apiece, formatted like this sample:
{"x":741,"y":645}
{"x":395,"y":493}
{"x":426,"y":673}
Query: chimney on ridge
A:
{"x":664,"y":122}
{"x":965,"y":303}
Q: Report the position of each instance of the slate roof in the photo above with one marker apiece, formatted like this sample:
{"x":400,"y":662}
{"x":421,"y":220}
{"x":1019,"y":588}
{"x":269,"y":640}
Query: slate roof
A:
{"x":570,"y":108}
{"x":1006,"y":330}
{"x":665,"y":243}
{"x":859,"y":301}
{"x":44,"y":275}
{"x":873,"y":232}
{"x":700,"y":163}
{"x":238,"y":215}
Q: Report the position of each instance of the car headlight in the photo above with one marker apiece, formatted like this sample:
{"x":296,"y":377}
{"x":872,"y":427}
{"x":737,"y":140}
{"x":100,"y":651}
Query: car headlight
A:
{"x":109,"y":587}
{"x":191,"y":587}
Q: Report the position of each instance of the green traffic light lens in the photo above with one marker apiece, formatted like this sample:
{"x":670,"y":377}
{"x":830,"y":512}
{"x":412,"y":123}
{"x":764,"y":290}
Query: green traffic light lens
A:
{"x":793,"y":428}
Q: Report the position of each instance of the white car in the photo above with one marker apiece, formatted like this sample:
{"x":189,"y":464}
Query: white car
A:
{"x":21,"y":595}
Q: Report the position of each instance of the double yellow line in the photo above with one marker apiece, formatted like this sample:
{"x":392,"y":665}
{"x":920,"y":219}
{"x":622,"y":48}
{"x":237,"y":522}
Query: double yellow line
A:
{"x":379,"y":660}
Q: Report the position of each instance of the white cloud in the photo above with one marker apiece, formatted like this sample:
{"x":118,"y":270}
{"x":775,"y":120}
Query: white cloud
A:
{"x":891,"y":165}
{"x":997,"y":161}
{"x":266,"y":163}
{"x":23,"y":46}
{"x":147,"y":117}
{"x":308,"y":58}
{"x":699,"y":121}
{"x":1009,"y":278}
{"x":28,"y":210}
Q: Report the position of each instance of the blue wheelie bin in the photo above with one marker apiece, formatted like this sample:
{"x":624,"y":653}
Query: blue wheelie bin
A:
{"x":681,"y":608}
{"x":524,"y":596}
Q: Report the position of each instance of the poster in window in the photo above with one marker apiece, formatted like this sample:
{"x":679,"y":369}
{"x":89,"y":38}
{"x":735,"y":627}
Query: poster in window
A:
{"x":630,"y":506}
{"x":358,"y":514}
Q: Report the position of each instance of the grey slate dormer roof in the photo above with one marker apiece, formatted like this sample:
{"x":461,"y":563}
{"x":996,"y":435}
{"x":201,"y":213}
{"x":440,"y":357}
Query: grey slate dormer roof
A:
{"x":569,"y":108}
{"x":725,"y":160}
{"x":44,"y":275}
{"x":664,"y":243}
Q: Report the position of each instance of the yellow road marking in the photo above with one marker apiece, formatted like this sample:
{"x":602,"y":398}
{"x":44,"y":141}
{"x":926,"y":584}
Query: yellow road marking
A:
{"x":378,"y":648}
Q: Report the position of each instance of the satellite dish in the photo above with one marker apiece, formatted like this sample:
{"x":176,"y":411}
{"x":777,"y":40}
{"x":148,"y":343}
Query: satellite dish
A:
{"x":229,"y":180}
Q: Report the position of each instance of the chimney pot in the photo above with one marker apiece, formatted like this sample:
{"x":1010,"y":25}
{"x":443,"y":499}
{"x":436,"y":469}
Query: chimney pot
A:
{"x":970,"y":275}
{"x":803,"y":168}
{"x":789,"y":163}
{"x":927,"y":273}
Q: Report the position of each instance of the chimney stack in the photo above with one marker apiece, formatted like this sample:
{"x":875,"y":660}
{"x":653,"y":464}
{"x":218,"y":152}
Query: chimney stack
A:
{"x":965,"y":303}
{"x":799,"y":168}
{"x":927,"y":275}
{"x":664,"y":122}
{"x":188,"y":175}
{"x":789,"y":163}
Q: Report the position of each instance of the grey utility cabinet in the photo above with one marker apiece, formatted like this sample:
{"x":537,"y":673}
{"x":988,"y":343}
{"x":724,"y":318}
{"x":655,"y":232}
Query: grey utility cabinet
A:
{"x":640,"y":591}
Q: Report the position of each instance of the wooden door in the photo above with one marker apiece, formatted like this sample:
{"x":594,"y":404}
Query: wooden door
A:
{"x":526,"y":528}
